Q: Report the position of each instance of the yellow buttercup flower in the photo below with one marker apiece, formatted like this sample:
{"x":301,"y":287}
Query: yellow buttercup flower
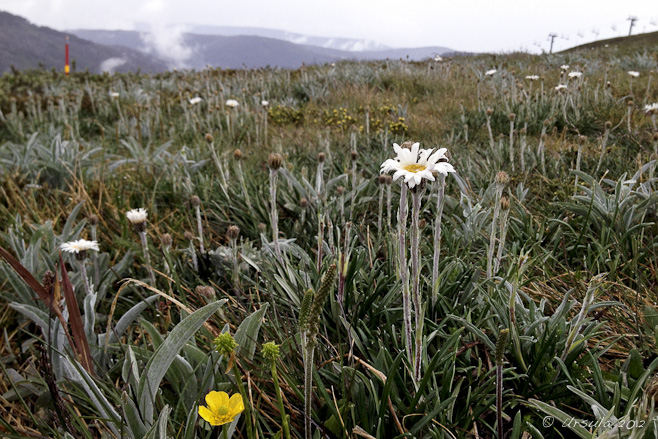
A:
{"x":221,"y":410}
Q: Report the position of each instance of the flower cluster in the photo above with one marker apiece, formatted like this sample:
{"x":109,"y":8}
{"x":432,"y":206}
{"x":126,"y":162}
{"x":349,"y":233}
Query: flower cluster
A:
{"x":415,"y":164}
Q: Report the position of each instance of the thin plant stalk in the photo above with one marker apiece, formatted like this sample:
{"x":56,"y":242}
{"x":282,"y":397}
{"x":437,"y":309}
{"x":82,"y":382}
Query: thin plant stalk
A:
{"x":273,"y":214}
{"x":279,"y":400}
{"x":379,"y":210}
{"x":199,"y":226}
{"x":437,"y":238}
{"x":94,"y":256}
{"x":402,"y":269}
{"x":492,"y":238}
{"x":503,"y":233}
{"x":416,"y":197}
{"x":247,"y":403}
{"x":603,"y":145}
{"x":147,"y":256}
{"x":244,"y":185}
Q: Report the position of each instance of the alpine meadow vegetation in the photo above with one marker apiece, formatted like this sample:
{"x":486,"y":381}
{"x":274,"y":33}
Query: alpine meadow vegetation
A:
{"x":464,"y":247}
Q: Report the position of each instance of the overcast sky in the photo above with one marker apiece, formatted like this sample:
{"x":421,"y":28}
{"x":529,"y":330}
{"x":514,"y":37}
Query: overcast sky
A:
{"x":476,"y":25}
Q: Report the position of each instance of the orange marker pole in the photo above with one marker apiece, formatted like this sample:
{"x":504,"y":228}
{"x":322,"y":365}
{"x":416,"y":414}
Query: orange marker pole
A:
{"x":67,"y":69}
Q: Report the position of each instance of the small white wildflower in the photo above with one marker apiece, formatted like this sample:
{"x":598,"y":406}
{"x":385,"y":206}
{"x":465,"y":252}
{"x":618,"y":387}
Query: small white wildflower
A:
{"x":195,"y":100}
{"x":634,"y":74}
{"x":137,"y":216}
{"x":564,"y":67}
{"x":575,"y":74}
{"x":490,"y":72}
{"x":81,"y":245}
{"x":437,"y":58}
{"x":651,"y":108}
{"x":232,"y":103}
{"x":561,"y":87}
{"x":532,"y":77}
{"x":114,"y":94}
{"x":265,"y":103}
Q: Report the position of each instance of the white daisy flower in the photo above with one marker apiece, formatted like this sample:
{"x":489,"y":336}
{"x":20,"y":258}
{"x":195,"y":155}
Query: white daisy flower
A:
{"x":575,"y":74}
{"x":137,"y":216}
{"x":437,"y":58}
{"x":490,"y":72}
{"x":633,"y":73}
{"x":195,"y":100}
{"x":560,"y":87}
{"x":416,"y":164}
{"x":564,"y":67}
{"x":114,"y":94}
{"x":532,"y":77}
{"x":651,"y":108}
{"x":265,"y":103}
{"x":81,"y":245}
{"x":232,"y":103}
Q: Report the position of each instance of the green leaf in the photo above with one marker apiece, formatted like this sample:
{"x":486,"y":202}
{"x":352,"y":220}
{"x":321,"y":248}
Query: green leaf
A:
{"x":159,"y":363}
{"x":247,"y":333}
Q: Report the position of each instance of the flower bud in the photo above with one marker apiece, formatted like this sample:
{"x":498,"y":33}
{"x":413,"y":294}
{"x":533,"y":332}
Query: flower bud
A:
{"x":225,"y":344}
{"x":237,"y":154}
{"x":233,"y":232}
{"x":270,"y":351}
{"x":209,"y":138}
{"x":274,"y":161}
{"x":502,"y":178}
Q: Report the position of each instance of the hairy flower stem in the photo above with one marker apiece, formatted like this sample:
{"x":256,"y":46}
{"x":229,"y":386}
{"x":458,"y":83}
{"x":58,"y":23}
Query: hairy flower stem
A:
{"x":388,"y":205}
{"x":354,"y":182}
{"x":273,"y":215}
{"x":594,"y":285}
{"x":279,"y":400}
{"x":318,"y":261}
{"x":511,"y":143}
{"x":416,"y":197}
{"x":402,"y":269}
{"x":83,"y":272}
{"x":379,"y":211}
{"x":94,"y":257}
{"x":492,"y":238}
{"x":192,"y":250}
{"x":308,"y":349}
{"x":199,"y":226}
{"x":244,"y":186}
{"x":500,"y":353}
{"x":501,"y":242}
{"x":578,"y":160}
{"x":147,"y":256}
{"x":491,"y":137}
{"x":437,"y":238}
{"x":236,"y":265}
{"x":603,"y":145}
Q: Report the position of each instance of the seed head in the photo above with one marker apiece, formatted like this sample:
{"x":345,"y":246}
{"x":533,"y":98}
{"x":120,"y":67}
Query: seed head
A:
{"x":205,"y":291}
{"x":501,"y":344}
{"x":274,"y":161}
{"x":237,"y":155}
{"x":382,"y":178}
{"x":489,"y":111}
{"x":504,"y":203}
{"x":322,"y":157}
{"x":304,"y":309}
{"x":340,"y":190}
{"x":547,"y":123}
{"x":196,"y":201}
{"x":233,"y":232}
{"x":166,"y":240}
{"x":354,"y":155}
{"x":209,"y":138}
{"x":389,"y":179}
{"x":188,"y":235}
{"x":512,"y":117}
{"x":93,"y":219}
{"x":502,"y":178}
{"x":303,"y":203}
{"x":608,"y":125}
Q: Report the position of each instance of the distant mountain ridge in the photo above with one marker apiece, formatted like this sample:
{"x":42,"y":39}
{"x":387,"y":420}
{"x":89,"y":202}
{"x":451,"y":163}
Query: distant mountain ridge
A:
{"x":252,"y":51}
{"x":26,"y":46}
{"x":346,"y":44}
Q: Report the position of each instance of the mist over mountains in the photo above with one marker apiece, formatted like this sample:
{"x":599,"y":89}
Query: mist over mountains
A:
{"x":158,"y":48}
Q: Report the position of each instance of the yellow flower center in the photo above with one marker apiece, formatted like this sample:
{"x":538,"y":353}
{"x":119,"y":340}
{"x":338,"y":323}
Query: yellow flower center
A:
{"x":414,"y":168}
{"x":222,"y":410}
